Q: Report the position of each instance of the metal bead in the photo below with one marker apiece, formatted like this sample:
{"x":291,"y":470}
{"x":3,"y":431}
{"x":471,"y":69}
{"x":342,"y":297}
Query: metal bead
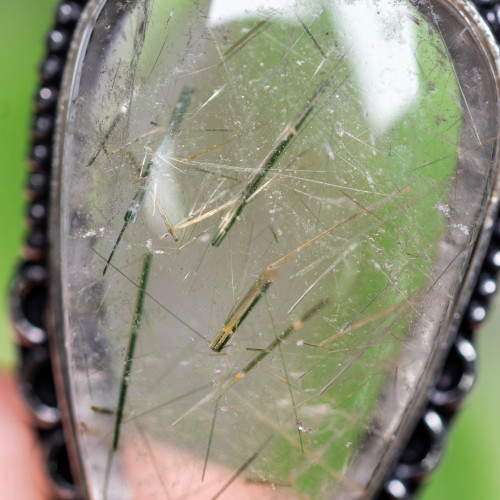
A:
{"x":37,"y":215}
{"x":39,"y":157}
{"x":476,"y":314}
{"x":424,"y":450}
{"x":46,"y":99}
{"x":37,"y":386}
{"x":58,"y":467}
{"x":496,"y":231}
{"x":51,"y":69}
{"x":42,"y":128}
{"x":68,"y":13}
{"x":486,"y":285}
{"x":38,"y":185}
{"x":396,"y":490}
{"x":57,"y":41}
{"x":458,"y":376}
{"x":36,"y":246}
{"x":493,"y":258}
{"x":27,"y":301}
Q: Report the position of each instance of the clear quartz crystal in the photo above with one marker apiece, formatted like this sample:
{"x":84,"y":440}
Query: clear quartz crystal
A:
{"x":266,"y":210}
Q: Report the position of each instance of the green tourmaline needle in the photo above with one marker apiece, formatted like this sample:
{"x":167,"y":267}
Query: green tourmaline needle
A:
{"x":136,"y":325}
{"x":279,"y":147}
{"x":133,"y":210}
{"x":180,"y":110}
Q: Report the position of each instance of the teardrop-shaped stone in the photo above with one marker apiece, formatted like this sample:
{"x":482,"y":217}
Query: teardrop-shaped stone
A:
{"x":264,"y":217}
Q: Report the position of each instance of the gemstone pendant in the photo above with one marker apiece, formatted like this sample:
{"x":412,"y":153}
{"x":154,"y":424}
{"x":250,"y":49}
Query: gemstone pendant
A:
{"x":266,"y":221}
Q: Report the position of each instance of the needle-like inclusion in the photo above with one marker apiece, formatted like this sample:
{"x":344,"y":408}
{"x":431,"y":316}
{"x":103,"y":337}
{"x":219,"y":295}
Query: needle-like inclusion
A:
{"x":282,"y":337}
{"x":279,"y":147}
{"x":168,"y":223}
{"x":131,"y":214}
{"x":129,"y":358}
{"x":102,"y":146}
{"x":246,"y":304}
{"x":310,"y":209}
{"x":133,"y":210}
{"x":242,"y":309}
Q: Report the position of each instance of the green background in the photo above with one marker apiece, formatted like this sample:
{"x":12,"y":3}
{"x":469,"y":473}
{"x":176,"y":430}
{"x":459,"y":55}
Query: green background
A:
{"x":472,"y":462}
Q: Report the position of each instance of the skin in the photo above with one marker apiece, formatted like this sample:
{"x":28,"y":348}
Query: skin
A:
{"x":21,"y":462}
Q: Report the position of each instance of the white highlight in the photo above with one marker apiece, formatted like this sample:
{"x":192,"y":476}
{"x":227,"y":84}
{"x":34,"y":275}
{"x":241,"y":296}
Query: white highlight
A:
{"x":381,"y":46}
{"x":383,"y":57}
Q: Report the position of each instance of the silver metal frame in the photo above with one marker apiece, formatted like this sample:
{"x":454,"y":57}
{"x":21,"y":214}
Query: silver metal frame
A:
{"x":460,"y":311}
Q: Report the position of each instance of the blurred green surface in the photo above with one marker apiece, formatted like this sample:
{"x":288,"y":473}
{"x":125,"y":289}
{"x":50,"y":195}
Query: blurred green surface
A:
{"x":23,"y":25}
{"x":472,"y":460}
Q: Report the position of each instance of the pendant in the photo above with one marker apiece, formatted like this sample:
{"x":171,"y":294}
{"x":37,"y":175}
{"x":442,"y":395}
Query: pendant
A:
{"x":267,"y":222}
